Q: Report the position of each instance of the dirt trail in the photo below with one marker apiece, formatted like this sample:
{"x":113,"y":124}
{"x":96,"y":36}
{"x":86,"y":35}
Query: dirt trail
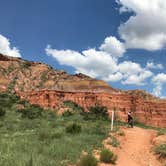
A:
{"x":136,"y":149}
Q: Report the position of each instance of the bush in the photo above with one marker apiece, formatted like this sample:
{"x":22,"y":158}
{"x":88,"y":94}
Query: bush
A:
{"x":88,"y":160}
{"x":73,"y":105}
{"x":121,"y":133}
{"x":96,"y":112}
{"x":2,"y":112}
{"x":73,"y":128}
{"x":67,"y":113}
{"x":108,"y":156}
{"x":114,"y":142}
{"x":161,"y":150}
{"x":44,"y":135}
{"x":161,"y":132}
{"x":32,"y":112}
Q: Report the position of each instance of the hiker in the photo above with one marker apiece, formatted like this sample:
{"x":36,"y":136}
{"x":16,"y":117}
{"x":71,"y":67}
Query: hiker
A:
{"x":130,"y":120}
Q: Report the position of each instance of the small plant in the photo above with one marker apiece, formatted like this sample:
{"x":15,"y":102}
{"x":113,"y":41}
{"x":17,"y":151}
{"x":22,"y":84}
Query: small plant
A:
{"x":96,"y":112}
{"x":72,"y":105}
{"x":100,"y":112}
{"x":30,"y":162}
{"x":26,"y":65}
{"x":161,"y":150}
{"x":108,"y":156}
{"x":121,"y":133}
{"x":56,"y":135}
{"x":43,"y":136}
{"x":32,"y":112}
{"x":67,"y":113}
{"x":2,"y":112}
{"x":161,"y":132}
{"x":73,"y":128}
{"x":88,"y":160}
{"x":114,"y":142}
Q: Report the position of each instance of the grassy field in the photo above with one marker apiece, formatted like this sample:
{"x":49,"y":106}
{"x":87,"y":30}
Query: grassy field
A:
{"x":40,"y":138}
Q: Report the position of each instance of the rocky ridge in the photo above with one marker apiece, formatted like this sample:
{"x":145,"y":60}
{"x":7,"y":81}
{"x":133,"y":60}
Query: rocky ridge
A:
{"x":43,"y":85}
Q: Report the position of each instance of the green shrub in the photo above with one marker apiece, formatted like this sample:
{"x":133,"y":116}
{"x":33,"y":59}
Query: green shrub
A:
{"x":67,"y":113}
{"x":121,"y":133}
{"x":99,"y":130}
{"x":99,"y":111}
{"x":88,"y":160}
{"x":43,"y":135}
{"x":108,"y":156}
{"x":161,"y":150}
{"x":2,"y":112}
{"x":114,"y":142}
{"x":32,"y":112}
{"x":73,"y":128}
{"x":56,"y":135}
{"x":161,"y":132}
{"x":73,"y":105}
{"x":96,"y":112}
{"x":30,"y":162}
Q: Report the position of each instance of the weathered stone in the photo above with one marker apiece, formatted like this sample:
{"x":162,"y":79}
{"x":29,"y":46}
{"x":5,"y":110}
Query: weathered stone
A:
{"x":150,"y":112}
{"x":41,"y":84}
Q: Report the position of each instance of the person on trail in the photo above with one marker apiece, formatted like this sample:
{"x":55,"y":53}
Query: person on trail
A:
{"x":130,"y":120}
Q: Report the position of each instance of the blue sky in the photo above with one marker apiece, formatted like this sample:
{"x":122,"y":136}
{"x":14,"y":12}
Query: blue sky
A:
{"x":122,"y":42}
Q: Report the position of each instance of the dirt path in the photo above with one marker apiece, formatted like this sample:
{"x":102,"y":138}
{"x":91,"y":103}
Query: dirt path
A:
{"x":136,"y":148}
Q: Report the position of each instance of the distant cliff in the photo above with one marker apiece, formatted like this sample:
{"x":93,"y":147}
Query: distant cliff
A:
{"x":43,"y":85}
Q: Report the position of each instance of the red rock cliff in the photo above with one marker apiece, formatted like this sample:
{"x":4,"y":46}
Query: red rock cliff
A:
{"x":43,"y":85}
{"x":149,"y":111}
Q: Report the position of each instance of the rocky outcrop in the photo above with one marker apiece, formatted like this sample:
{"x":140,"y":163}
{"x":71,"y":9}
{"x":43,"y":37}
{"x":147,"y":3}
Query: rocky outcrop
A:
{"x":43,"y":85}
{"x":149,"y":111}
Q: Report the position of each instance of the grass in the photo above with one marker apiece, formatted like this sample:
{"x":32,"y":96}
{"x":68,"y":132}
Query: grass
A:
{"x":113,"y":141}
{"x":160,"y":150}
{"x":88,"y":160}
{"x":107,"y":156}
{"x":42,"y":140}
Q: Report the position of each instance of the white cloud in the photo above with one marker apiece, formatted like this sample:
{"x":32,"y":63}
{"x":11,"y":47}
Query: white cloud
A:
{"x":152,"y":65}
{"x":129,"y":68}
{"x":158,"y":80}
{"x":100,"y":64}
{"x":91,"y":62}
{"x":114,"y":77}
{"x":113,"y":46}
{"x":6,"y":49}
{"x":146,"y":29}
{"x":139,"y":78}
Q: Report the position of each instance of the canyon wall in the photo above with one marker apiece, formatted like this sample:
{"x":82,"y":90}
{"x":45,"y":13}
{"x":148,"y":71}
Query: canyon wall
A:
{"x":149,"y":111}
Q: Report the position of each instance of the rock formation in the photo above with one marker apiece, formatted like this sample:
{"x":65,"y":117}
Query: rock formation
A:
{"x":41,"y":84}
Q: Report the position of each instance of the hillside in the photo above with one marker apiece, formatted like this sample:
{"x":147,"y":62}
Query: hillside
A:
{"x":40,"y":84}
{"x":17,"y":74}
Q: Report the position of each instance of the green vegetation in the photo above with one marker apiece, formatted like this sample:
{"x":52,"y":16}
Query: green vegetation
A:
{"x":113,"y":141}
{"x":160,"y":150}
{"x":31,"y":112}
{"x":68,"y":113}
{"x":108,"y":156}
{"x":88,"y":160}
{"x":26,"y":64}
{"x":121,"y":133}
{"x":161,"y":132}
{"x":2,"y":112}
{"x":73,"y":128}
{"x":38,"y":137}
{"x":72,"y":105}
{"x":44,"y":76}
{"x":96,"y":113}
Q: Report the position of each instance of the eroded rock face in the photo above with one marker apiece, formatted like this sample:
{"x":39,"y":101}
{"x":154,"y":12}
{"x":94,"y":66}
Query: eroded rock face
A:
{"x":149,"y":111}
{"x":43,"y":85}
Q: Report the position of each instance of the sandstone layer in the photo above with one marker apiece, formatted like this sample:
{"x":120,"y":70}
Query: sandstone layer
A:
{"x":43,"y":85}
